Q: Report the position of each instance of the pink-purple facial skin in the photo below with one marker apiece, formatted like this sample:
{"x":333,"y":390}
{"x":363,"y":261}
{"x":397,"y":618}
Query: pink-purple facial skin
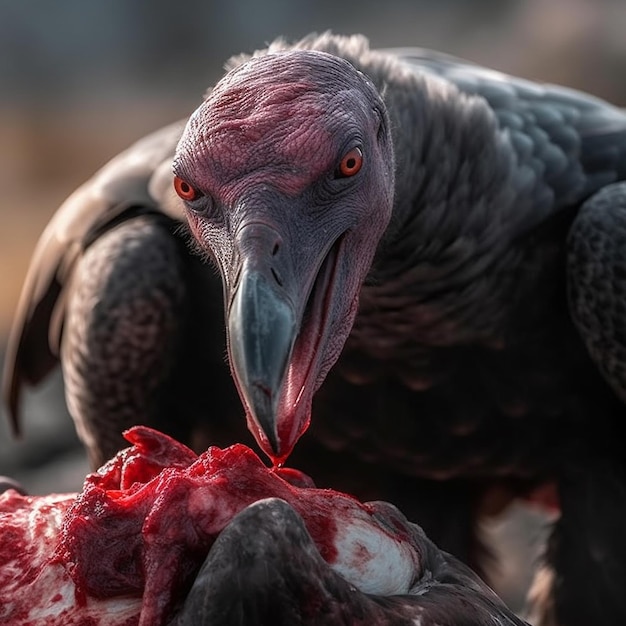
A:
{"x":284,"y":226}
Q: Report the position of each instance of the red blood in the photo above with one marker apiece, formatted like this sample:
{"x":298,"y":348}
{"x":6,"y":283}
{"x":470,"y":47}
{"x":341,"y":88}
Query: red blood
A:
{"x":546,"y":498}
{"x":144,"y":522}
{"x":25,"y":523}
{"x":294,"y":477}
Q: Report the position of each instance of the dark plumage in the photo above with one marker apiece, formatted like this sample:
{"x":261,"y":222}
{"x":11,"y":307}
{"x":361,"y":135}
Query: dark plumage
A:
{"x":7,"y":483}
{"x":265,"y":569}
{"x":406,"y":232}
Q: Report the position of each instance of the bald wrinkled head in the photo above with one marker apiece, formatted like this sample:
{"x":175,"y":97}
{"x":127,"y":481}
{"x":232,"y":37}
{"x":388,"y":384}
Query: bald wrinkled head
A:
{"x":286,"y":170}
{"x":279,"y":115}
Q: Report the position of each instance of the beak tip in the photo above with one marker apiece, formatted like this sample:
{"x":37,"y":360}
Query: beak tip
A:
{"x":273,"y":441}
{"x":263,"y":412}
{"x":262,"y":329}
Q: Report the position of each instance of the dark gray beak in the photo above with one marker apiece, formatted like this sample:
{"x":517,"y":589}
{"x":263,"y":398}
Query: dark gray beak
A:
{"x":262,"y":329}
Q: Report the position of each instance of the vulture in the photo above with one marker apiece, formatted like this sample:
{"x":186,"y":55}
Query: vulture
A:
{"x":417,"y":263}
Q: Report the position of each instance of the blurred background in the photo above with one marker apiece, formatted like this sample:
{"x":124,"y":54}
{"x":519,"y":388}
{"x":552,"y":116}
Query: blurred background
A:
{"x":79,"y":81}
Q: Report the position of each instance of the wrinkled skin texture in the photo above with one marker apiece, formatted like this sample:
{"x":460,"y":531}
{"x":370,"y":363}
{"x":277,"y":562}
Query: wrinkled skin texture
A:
{"x":263,"y":153}
{"x":457,"y":302}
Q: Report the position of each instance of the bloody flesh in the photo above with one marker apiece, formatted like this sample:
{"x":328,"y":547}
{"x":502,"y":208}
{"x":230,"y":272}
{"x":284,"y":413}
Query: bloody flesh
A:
{"x":143,"y":524}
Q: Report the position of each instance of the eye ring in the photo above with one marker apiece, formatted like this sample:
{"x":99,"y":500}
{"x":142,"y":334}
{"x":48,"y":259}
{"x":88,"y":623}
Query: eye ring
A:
{"x":184,"y":190}
{"x":351,"y":163}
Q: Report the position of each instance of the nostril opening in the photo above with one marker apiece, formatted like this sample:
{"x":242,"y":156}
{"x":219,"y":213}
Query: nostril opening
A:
{"x":277,"y":277}
{"x":275,"y":249}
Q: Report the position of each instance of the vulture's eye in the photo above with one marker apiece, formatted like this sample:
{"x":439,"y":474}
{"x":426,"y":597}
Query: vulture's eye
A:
{"x":185,"y":190}
{"x":351,"y":163}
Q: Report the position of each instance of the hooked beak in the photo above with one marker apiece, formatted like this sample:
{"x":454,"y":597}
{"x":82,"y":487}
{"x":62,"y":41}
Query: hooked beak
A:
{"x":278,"y":328}
{"x":262,"y":330}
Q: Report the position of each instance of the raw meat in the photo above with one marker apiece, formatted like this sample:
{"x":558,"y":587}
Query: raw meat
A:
{"x":127,"y":548}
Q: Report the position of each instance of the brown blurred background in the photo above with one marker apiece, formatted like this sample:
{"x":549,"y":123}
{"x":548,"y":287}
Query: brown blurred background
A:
{"x":80,"y":80}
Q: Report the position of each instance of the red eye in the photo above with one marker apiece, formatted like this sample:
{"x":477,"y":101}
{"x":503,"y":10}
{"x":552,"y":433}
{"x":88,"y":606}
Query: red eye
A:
{"x":185,"y":190}
{"x":351,"y":162}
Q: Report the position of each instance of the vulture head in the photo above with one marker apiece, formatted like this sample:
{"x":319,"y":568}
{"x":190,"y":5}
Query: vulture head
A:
{"x":286,"y":171}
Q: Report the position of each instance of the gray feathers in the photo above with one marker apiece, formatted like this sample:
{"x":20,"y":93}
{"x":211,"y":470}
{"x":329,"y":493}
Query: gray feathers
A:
{"x":597,"y":281}
{"x":124,"y":186}
{"x":464,"y":360}
{"x":122,"y":320}
{"x":265,"y":569}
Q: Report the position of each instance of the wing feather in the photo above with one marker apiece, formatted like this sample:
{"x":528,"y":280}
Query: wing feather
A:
{"x":137,"y":180}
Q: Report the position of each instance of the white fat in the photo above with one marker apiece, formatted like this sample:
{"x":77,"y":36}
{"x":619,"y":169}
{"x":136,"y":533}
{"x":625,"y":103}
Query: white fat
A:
{"x":50,"y":598}
{"x":53,"y":603}
{"x":372,"y":560}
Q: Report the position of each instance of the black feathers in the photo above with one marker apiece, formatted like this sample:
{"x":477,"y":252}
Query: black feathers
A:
{"x":265,"y":569}
{"x":467,"y":365}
